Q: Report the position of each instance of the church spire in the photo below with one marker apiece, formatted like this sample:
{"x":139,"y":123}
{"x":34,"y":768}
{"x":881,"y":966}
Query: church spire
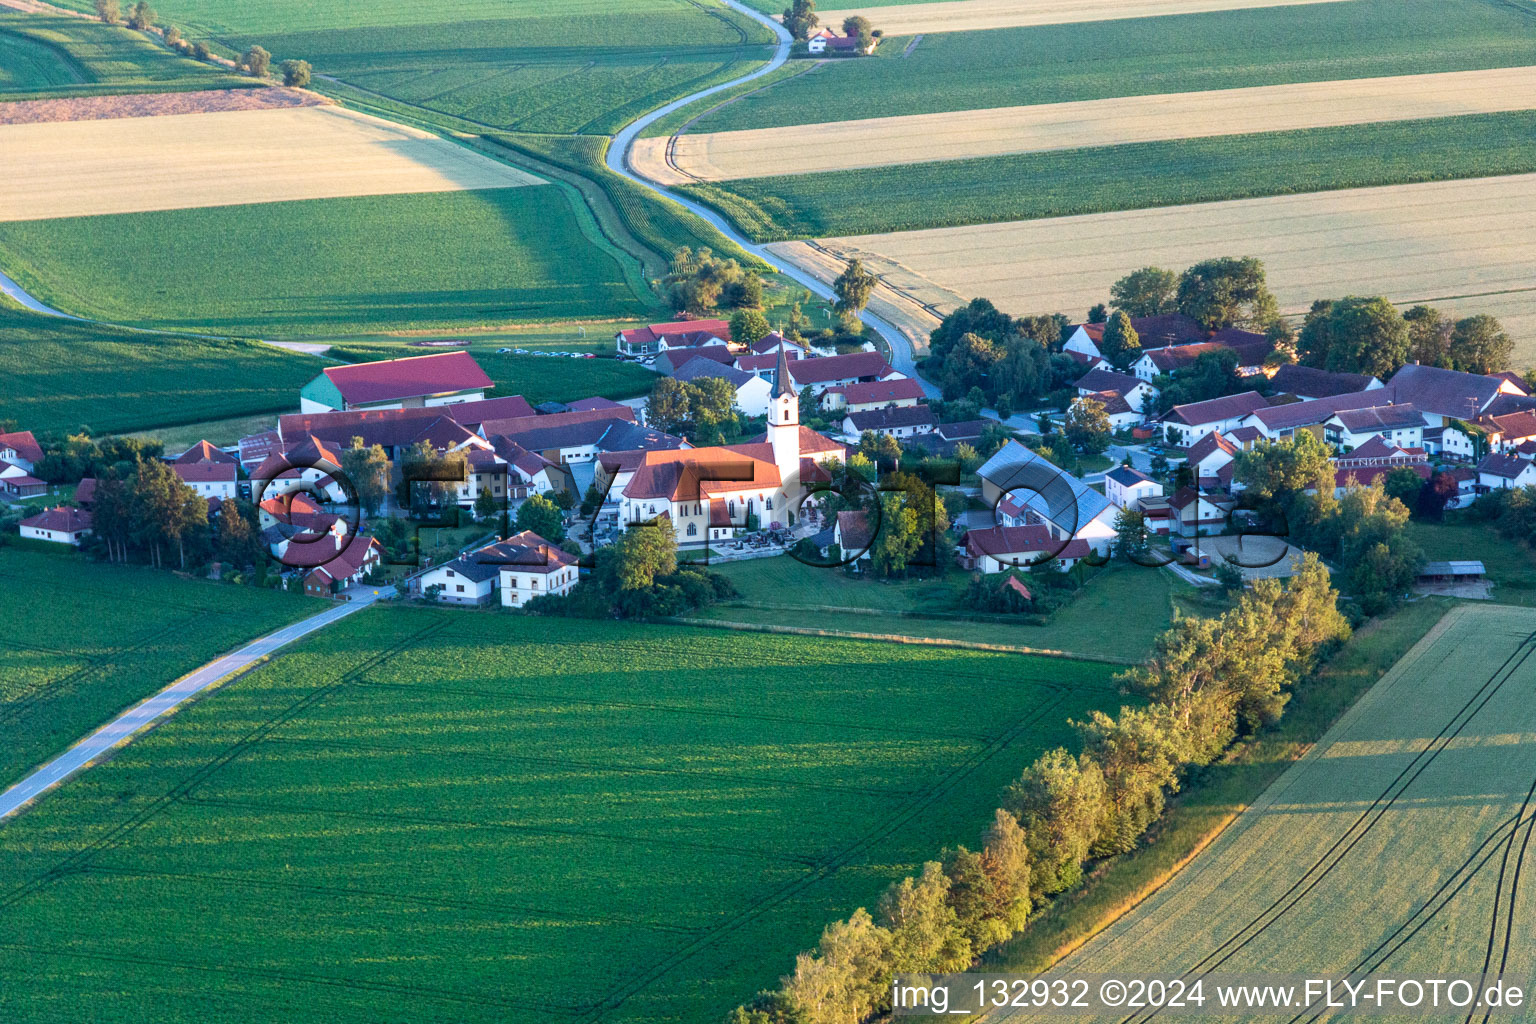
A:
{"x":782,"y":385}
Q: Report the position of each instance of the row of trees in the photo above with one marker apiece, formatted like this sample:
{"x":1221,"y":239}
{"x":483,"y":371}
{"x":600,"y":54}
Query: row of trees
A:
{"x":1208,"y":682}
{"x":638,"y":576}
{"x":81,"y":455}
{"x":1368,"y":335}
{"x":148,"y":511}
{"x":1227,"y":291}
{"x":256,"y":61}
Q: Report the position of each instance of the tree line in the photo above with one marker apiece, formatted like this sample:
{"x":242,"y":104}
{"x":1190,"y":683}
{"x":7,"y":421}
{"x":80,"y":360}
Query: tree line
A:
{"x":1208,"y":682}
{"x":256,"y":61}
{"x":148,"y":511}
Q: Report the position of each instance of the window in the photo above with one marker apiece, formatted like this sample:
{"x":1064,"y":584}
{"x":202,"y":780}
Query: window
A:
{"x":450,"y":572}
{"x":459,"y":588}
{"x":533,"y":584}
{"x":693,"y":529}
{"x":768,"y":504}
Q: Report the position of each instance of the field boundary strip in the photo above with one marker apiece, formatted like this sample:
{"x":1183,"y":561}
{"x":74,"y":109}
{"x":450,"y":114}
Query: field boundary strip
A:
{"x":979,"y":15}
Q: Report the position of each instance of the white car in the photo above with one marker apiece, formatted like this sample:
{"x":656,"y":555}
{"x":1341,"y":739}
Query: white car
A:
{"x":503,"y":351}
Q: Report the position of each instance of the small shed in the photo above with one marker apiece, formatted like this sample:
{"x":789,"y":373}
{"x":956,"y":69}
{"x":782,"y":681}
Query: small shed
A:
{"x":1469,"y":571}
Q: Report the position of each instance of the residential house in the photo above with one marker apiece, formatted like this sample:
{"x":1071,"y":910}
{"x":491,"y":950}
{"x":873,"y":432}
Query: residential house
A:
{"x":257,"y":448}
{"x":20,"y":448}
{"x":212,"y":480}
{"x":61,"y":524}
{"x":639,"y":342}
{"x":1443,"y":395}
{"x":1125,"y":486}
{"x":1400,"y":425}
{"x":826,"y":40}
{"x":1251,"y":354}
{"x":415,"y":382}
{"x":1500,"y":471}
{"x":1116,"y":408}
{"x":1026,"y":489}
{"x":674,"y":359}
{"x":351,"y":562}
{"x":473,"y":578}
{"x":1001,"y":548}
{"x":1195,"y":514}
{"x":533,"y":567}
{"x":823,"y":372}
{"x":1308,"y":382}
{"x":206,"y":451}
{"x":1510,"y":431}
{"x":1186,"y":424}
{"x":1138,"y":394}
{"x":752,"y":391}
{"x":1281,"y":421}
{"x":853,"y":537}
{"x":16,"y":482}
{"x":895,"y":421}
{"x":1450,"y":444}
{"x":879,"y":394}
{"x":1211,"y":461}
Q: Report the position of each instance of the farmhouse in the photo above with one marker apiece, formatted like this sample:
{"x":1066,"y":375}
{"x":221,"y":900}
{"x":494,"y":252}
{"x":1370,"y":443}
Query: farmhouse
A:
{"x":1000,"y":548}
{"x":880,"y":394}
{"x":1173,"y":360}
{"x":1401,"y":425}
{"x":825,"y":372}
{"x":1186,"y":424}
{"x":1136,"y":392}
{"x":414,"y":382}
{"x":1279,"y":421}
{"x":205,"y":451}
{"x":1162,"y":331}
{"x":348,"y":565}
{"x":1449,"y":394}
{"x":673,"y":360}
{"x":826,"y":40}
{"x":752,"y":391}
{"x":1449,"y":443}
{"x":20,"y":448}
{"x":62,"y":524}
{"x":895,"y":421}
{"x":1510,"y":431}
{"x":1307,"y":382}
{"x":1502,"y":472}
{"x":657,"y":338}
{"x":210,"y":479}
{"x":1125,"y":486}
{"x":1028,"y":490}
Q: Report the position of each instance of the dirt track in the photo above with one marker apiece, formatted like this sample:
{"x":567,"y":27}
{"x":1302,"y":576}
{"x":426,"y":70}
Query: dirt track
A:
{"x":108,"y":108}
{"x":80,"y":168}
{"x":972,"y":15}
{"x":1467,"y":245}
{"x":805,"y":149}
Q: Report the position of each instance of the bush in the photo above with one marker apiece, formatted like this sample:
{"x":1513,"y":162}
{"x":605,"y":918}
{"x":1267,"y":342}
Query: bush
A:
{"x":296,"y":73}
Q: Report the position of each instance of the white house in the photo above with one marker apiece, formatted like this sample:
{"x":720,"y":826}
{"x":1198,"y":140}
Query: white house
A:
{"x":1137,"y":393}
{"x":1186,"y":424}
{"x":62,"y":524}
{"x":1510,"y":431}
{"x":532,"y":567}
{"x":752,"y":391}
{"x":1449,"y":443}
{"x":470,"y":579}
{"x":879,"y":394}
{"x":1194,"y":514}
{"x":20,"y":448}
{"x":1000,"y":548}
{"x":1399,"y":425}
{"x":16,"y":482}
{"x":1210,"y":461}
{"x":896,"y":421}
{"x":210,"y":479}
{"x":1119,"y":412}
{"x":1026,"y":489}
{"x":1449,"y":394}
{"x":1501,"y":472}
{"x":1125,"y":486}
{"x":639,"y":342}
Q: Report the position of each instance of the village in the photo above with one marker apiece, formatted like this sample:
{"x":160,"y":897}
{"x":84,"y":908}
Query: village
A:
{"x":416,"y":440}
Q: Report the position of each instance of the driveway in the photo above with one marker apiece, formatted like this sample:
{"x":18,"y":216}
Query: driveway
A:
{"x":149,"y":713}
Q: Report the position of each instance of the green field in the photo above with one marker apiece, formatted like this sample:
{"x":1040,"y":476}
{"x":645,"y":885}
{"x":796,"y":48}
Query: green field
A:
{"x":49,"y":55}
{"x":83,"y":641}
{"x":1061,"y":183}
{"x":563,"y":66}
{"x":323,"y":266}
{"x":1511,"y":566}
{"x":1147,"y":56}
{"x":57,"y":375}
{"x":459,"y":817}
{"x":1394,"y":847}
{"x":1117,"y":615}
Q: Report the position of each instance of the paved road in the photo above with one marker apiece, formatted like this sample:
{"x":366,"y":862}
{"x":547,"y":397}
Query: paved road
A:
{"x":618,"y":162}
{"x":148,"y":713}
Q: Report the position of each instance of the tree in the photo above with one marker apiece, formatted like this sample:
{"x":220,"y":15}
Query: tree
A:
{"x":1227,"y":292}
{"x":749,"y":326}
{"x":173,"y":37}
{"x":1403,"y":484}
{"x":1120,"y":343}
{"x":1131,"y":535}
{"x":1097,"y":314}
{"x":857,"y":25}
{"x":543,"y":517}
{"x":853,"y":288}
{"x":925,"y":934}
{"x":810,"y":405}
{"x":845,"y":979}
{"x":1275,"y":472}
{"x":800,"y":18}
{"x":1429,"y":336}
{"x":296,"y":73}
{"x":1087,"y":426}
{"x":142,"y":16}
{"x":486,"y":505}
{"x":1059,"y":802}
{"x":257,"y":62}
{"x":1139,"y":755}
{"x":968,"y":363}
{"x":744,"y":291}
{"x":201,"y":52}
{"x":989,"y":889}
{"x":899,"y":538}
{"x":644,"y":552}
{"x":236,"y":539}
{"x":1149,"y":291}
{"x":367,"y":469}
{"x":1479,"y":345}
{"x":698,"y":282}
{"x":669,"y":405}
{"x":1434,"y":496}
{"x":1355,"y":335}
{"x":109,"y":11}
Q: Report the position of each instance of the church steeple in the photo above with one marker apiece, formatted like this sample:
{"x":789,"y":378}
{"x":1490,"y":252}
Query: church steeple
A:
{"x":782,"y":385}
{"x":784,"y":421}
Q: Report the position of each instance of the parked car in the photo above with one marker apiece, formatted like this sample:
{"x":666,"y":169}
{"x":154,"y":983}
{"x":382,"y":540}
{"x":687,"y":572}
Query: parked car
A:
{"x":503,"y":351}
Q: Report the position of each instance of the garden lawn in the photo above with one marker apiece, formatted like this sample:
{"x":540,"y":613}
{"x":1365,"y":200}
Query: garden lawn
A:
{"x":83,"y":641}
{"x":330,"y":265}
{"x":487,"y":819}
{"x":1511,"y":566}
{"x":57,"y":375}
{"x":1116,"y":616}
{"x":43,"y":55}
{"x":1135,"y":176}
{"x":1147,"y":56}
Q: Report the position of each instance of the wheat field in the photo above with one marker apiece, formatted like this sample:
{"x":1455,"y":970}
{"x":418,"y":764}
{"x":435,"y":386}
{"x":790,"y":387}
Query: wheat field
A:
{"x":182,"y":161}
{"x":1469,"y":246}
{"x":973,"y":15}
{"x":921,"y":138}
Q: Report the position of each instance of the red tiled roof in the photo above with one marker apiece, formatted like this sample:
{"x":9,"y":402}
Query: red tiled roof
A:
{"x":346,"y":563}
{"x":1365,"y":476}
{"x":85,"y":491}
{"x":61,"y":519}
{"x":24,"y":444}
{"x":1228,"y":407}
{"x":828,"y":368}
{"x":412,"y":377}
{"x":694,"y":473}
{"x":205,"y":451}
{"x":882,"y":391}
{"x":207,"y":472}
{"x":1512,"y":426}
{"x":1006,"y":543}
{"x":810,"y":441}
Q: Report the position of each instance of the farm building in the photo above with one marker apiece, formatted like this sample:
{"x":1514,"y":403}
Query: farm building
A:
{"x":1178,"y":358}
{"x":826,"y":41}
{"x":16,"y":482}
{"x":880,"y":394}
{"x":1449,"y":394}
{"x":62,"y":524}
{"x":1162,"y":331}
{"x":205,"y":451}
{"x":1000,"y":548}
{"x":414,"y":382}
{"x":657,"y":338}
{"x":1452,"y":572}
{"x":1277,"y":421}
{"x":1308,"y":382}
{"x":1510,"y":431}
{"x":1028,"y":490}
{"x":1186,"y":424}
{"x":673,"y":360}
{"x":894,"y":421}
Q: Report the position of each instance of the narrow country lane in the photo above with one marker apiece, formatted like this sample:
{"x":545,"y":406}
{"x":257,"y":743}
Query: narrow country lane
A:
{"x":618,"y":162}
{"x":148,"y":713}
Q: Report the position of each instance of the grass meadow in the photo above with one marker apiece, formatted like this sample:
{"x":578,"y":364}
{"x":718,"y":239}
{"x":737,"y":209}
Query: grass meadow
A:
{"x":57,"y":375}
{"x":1147,"y":56}
{"x":1511,"y":566}
{"x":1116,"y":617}
{"x":330,"y":265}
{"x":43,"y":55}
{"x":479,"y":818}
{"x":1135,"y":176}
{"x":83,"y":641}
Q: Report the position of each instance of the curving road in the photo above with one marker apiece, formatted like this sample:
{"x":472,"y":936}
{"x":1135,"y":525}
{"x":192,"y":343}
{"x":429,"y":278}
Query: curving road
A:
{"x":618,"y":162}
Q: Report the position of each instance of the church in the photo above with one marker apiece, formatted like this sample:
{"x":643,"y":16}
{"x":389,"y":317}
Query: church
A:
{"x":712,"y":493}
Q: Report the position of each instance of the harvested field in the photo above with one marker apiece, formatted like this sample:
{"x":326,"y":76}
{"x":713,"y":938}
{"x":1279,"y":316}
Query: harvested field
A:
{"x":108,"y":108}
{"x":923,"y":138}
{"x":974,"y":15}
{"x":1394,"y":847}
{"x":183,"y":161}
{"x":1467,"y":245}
